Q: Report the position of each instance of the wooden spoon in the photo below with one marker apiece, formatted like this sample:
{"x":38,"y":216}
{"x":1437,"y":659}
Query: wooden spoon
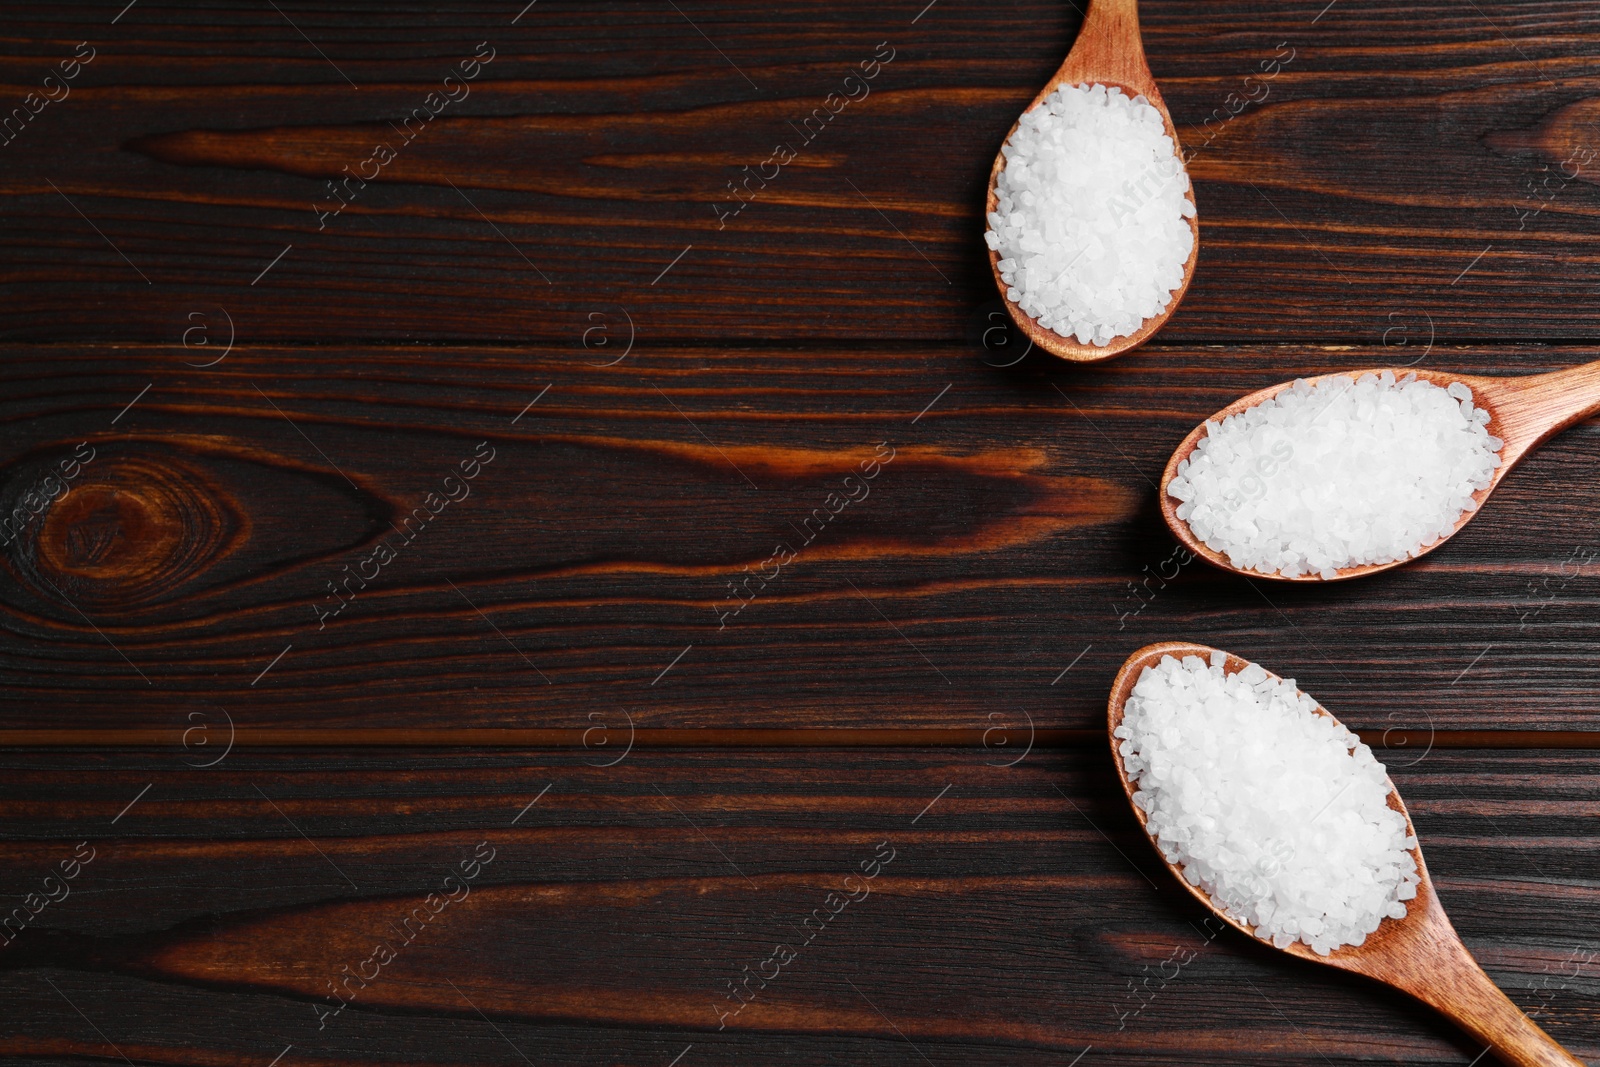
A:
{"x":1420,"y":954}
{"x":1109,"y":52}
{"x":1523,"y":412}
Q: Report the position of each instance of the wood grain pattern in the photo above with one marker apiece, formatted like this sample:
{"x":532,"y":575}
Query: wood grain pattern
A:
{"x":221,"y":391}
{"x":1008,"y":927}
{"x":1423,"y":166}
{"x":1014,"y":535}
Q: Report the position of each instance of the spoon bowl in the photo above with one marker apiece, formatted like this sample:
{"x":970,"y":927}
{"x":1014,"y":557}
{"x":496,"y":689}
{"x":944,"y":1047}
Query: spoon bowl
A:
{"x":1523,"y":412}
{"x":1421,"y":954}
{"x":1109,"y":51}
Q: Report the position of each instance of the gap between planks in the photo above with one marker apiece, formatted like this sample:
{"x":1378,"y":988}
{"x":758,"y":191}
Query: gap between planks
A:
{"x":657,"y":737}
{"x":1328,"y":346}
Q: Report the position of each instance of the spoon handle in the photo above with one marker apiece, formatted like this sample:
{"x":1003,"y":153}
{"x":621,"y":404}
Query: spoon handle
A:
{"x":1546,"y":404}
{"x":1122,"y":13}
{"x":1109,"y":50}
{"x":1459,"y":988}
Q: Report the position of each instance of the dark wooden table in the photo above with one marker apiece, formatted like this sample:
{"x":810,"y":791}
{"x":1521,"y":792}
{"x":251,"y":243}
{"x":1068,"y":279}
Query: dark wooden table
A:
{"x":402,"y":404}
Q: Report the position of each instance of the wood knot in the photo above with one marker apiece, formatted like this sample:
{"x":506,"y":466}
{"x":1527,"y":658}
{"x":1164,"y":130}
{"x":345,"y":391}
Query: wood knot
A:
{"x":111,"y":531}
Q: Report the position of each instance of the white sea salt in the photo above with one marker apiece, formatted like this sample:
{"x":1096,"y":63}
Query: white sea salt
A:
{"x":1279,"y":813}
{"x":1091,"y":218}
{"x":1345,"y":472}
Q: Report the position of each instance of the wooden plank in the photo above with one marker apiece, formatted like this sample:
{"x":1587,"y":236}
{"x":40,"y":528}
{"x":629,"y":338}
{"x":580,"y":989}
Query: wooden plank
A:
{"x":203,"y":730}
{"x":1400,"y":168}
{"x":998,"y":569}
{"x":1007,"y":928}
